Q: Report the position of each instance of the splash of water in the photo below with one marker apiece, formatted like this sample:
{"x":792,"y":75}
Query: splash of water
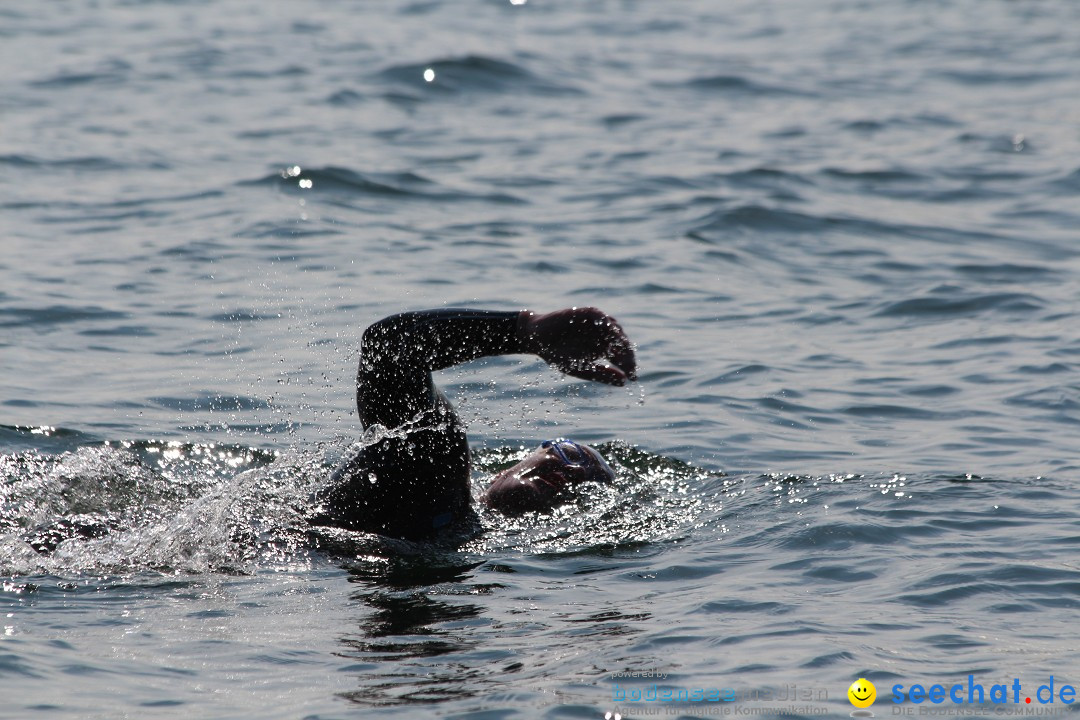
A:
{"x":169,"y":507}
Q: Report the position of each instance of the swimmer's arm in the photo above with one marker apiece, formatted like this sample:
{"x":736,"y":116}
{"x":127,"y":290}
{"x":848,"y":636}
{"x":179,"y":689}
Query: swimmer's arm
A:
{"x":438,"y":339}
{"x":398,"y":353}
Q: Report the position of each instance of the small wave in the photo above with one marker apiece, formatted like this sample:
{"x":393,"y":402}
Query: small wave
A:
{"x":1068,"y":184}
{"x":403,"y":185}
{"x":755,"y":217}
{"x":737,"y":84}
{"x":271,"y":132}
{"x":35,"y":317}
{"x":619,"y":119}
{"x":206,"y":60}
{"x":66,"y":80}
{"x":767,"y":178}
{"x":737,"y":375}
{"x":758,"y":217}
{"x":1048,"y":369}
{"x":885,"y":175}
{"x":964,"y":305}
{"x":339,"y":178}
{"x":41,"y":438}
{"x":998,"y":77}
{"x":828,"y":659}
{"x":959,"y":587}
{"x":128,"y":208}
{"x":931,"y":391}
{"x":840,"y":573}
{"x":1006,"y":272}
{"x":211,"y":402}
{"x":91,"y":163}
{"x":893,"y":412}
{"x":865,"y":126}
{"x":871,"y":126}
{"x":256,"y":74}
{"x":472,"y":74}
{"x":761,"y":218}
{"x":1057,"y":399}
{"x":287,"y":229}
{"x":1009,"y":144}
{"x":346,"y":98}
{"x":897,"y":183}
{"x":726,"y":607}
{"x":833,"y":537}
{"x":976,"y":342}
{"x":243,"y":315}
{"x":120,"y":331}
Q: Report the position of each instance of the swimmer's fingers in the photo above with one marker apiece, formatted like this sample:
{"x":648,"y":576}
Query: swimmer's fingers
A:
{"x":598,"y":372}
{"x":584,"y":342}
{"x":620,"y":351}
{"x":611,"y":360}
{"x":614,"y":362}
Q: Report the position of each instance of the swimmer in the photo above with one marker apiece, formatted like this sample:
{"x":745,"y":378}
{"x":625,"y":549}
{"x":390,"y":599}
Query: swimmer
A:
{"x":413,"y":483}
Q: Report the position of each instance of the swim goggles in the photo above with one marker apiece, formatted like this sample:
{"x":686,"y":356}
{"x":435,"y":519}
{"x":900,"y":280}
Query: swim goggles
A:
{"x":560,"y":443}
{"x":591,"y":461}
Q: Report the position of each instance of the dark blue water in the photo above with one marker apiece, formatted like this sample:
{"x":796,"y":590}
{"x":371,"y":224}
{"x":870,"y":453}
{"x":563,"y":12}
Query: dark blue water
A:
{"x":844,"y":235}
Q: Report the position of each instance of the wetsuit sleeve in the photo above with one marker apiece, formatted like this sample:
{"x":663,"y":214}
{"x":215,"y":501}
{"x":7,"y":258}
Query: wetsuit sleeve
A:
{"x":414,"y":482}
{"x":398,"y":354}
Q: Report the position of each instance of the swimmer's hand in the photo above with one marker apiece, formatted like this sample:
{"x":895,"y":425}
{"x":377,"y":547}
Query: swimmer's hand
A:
{"x":583,"y":342}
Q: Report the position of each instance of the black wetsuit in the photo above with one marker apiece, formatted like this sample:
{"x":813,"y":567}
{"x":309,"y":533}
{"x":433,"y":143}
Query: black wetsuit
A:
{"x":414,"y":483}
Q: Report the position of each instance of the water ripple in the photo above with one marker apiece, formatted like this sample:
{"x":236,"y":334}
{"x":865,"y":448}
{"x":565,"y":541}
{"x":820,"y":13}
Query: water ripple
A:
{"x":966,"y":305}
{"x":472,"y":74}
{"x":403,"y":185}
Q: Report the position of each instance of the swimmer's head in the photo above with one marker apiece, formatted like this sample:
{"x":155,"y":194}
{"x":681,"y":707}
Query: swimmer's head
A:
{"x":558,"y":464}
{"x":579,"y":460}
{"x":546,"y":476}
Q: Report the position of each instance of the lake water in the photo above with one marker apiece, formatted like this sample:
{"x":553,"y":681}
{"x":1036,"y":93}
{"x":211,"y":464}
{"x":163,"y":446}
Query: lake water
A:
{"x":844,"y":235}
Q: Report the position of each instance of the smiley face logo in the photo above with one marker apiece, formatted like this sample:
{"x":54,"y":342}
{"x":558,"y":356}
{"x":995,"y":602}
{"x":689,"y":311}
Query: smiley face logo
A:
{"x":862,"y":693}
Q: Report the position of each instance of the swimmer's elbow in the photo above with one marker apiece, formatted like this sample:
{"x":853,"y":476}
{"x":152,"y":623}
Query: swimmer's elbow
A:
{"x":379,"y":340}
